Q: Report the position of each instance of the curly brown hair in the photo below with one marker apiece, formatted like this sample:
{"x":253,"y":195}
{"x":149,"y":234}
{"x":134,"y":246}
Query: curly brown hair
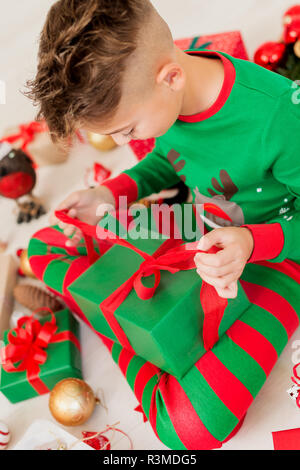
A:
{"x":83,"y":49}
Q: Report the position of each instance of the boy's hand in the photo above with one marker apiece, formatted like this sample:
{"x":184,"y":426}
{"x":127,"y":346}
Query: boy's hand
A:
{"x":85,"y":206}
{"x":223,"y":269}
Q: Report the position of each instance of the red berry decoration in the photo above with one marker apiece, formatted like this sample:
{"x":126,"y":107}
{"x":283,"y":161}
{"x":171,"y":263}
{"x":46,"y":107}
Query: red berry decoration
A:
{"x":270,"y":54}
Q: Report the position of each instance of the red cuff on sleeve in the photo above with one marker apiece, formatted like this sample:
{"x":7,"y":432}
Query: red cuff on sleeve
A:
{"x":268,"y":241}
{"x":122,"y":185}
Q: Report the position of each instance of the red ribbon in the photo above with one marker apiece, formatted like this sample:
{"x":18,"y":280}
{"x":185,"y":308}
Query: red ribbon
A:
{"x":139,"y":409}
{"x":173,"y":256}
{"x":27,"y":344}
{"x":296,"y":380}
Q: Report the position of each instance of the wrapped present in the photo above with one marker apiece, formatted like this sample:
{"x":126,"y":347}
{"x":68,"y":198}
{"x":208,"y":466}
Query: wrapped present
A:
{"x":230,"y":42}
{"x":145,"y":294}
{"x":38,"y":354}
{"x":34,"y":139}
{"x":288,"y":439}
{"x":8,"y":279}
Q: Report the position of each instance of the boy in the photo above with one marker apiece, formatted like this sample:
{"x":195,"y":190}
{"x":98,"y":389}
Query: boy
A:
{"x":112,"y":68}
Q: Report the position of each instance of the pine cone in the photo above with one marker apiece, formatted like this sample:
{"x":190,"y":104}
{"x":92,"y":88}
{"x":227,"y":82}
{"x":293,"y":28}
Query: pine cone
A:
{"x":33,"y":297}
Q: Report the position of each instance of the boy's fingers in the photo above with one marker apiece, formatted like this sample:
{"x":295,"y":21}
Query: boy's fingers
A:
{"x":77,"y":236}
{"x":217,"y":271}
{"x":69,"y":230}
{"x":211,"y":238}
{"x":72,"y":212}
{"x":220,"y":282}
{"x":66,"y":204}
{"x":75,"y":239}
{"x":229,"y":292}
{"x":221,"y":258}
{"x":53,"y":220}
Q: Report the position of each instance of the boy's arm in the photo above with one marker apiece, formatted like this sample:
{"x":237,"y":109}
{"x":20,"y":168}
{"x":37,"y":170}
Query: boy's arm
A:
{"x":150,"y":175}
{"x":279,"y":238}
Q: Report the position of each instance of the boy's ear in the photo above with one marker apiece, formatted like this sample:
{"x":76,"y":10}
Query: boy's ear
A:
{"x":171,"y":75}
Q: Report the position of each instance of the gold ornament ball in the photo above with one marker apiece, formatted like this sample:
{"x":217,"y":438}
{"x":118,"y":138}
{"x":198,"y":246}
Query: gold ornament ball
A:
{"x":101,"y":142}
{"x":25,"y":265}
{"x":71,"y":402}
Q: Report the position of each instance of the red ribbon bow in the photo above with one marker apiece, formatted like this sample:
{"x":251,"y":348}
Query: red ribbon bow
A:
{"x":27,"y":344}
{"x":26,"y":134}
{"x":173,"y":256}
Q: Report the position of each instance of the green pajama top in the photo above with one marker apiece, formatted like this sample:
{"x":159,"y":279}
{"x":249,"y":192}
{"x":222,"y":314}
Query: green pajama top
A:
{"x":242,"y":154}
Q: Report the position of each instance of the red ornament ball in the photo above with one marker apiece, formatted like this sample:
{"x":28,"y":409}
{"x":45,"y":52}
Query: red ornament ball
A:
{"x":291,"y":22}
{"x":270,"y":54}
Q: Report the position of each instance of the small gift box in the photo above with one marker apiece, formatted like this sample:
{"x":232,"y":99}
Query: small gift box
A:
{"x":34,"y":139}
{"x":230,"y":42}
{"x":38,"y":354}
{"x":286,"y":440}
{"x":145,"y":294}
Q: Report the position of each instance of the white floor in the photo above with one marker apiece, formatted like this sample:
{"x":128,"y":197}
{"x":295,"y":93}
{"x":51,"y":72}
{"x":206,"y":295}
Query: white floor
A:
{"x":20,"y":23}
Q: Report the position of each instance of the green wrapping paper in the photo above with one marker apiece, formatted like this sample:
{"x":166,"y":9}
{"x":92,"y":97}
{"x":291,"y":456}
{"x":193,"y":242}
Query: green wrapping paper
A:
{"x":165,"y":329}
{"x":63,"y":360}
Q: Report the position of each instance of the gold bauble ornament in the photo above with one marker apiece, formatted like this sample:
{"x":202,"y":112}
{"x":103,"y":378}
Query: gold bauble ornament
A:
{"x":297,"y":48}
{"x":72,"y":401}
{"x":25,"y":265}
{"x":101,"y":142}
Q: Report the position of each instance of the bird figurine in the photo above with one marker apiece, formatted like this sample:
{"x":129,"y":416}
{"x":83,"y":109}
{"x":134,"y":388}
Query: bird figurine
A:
{"x":17,"y":179}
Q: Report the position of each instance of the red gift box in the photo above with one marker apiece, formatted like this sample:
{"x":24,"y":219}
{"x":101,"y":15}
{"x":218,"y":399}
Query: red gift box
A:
{"x":287,"y":440}
{"x":231,"y":43}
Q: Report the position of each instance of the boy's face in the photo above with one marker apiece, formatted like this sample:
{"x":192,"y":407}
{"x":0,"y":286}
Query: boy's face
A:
{"x":147,"y":116}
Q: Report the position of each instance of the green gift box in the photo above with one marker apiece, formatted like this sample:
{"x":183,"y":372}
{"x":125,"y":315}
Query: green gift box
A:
{"x":52,"y":354}
{"x":166,"y":329}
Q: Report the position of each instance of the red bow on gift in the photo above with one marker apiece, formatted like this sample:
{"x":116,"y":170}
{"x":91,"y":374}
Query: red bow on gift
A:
{"x":26,"y":134}
{"x":27,"y":344}
{"x":173,"y":256}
